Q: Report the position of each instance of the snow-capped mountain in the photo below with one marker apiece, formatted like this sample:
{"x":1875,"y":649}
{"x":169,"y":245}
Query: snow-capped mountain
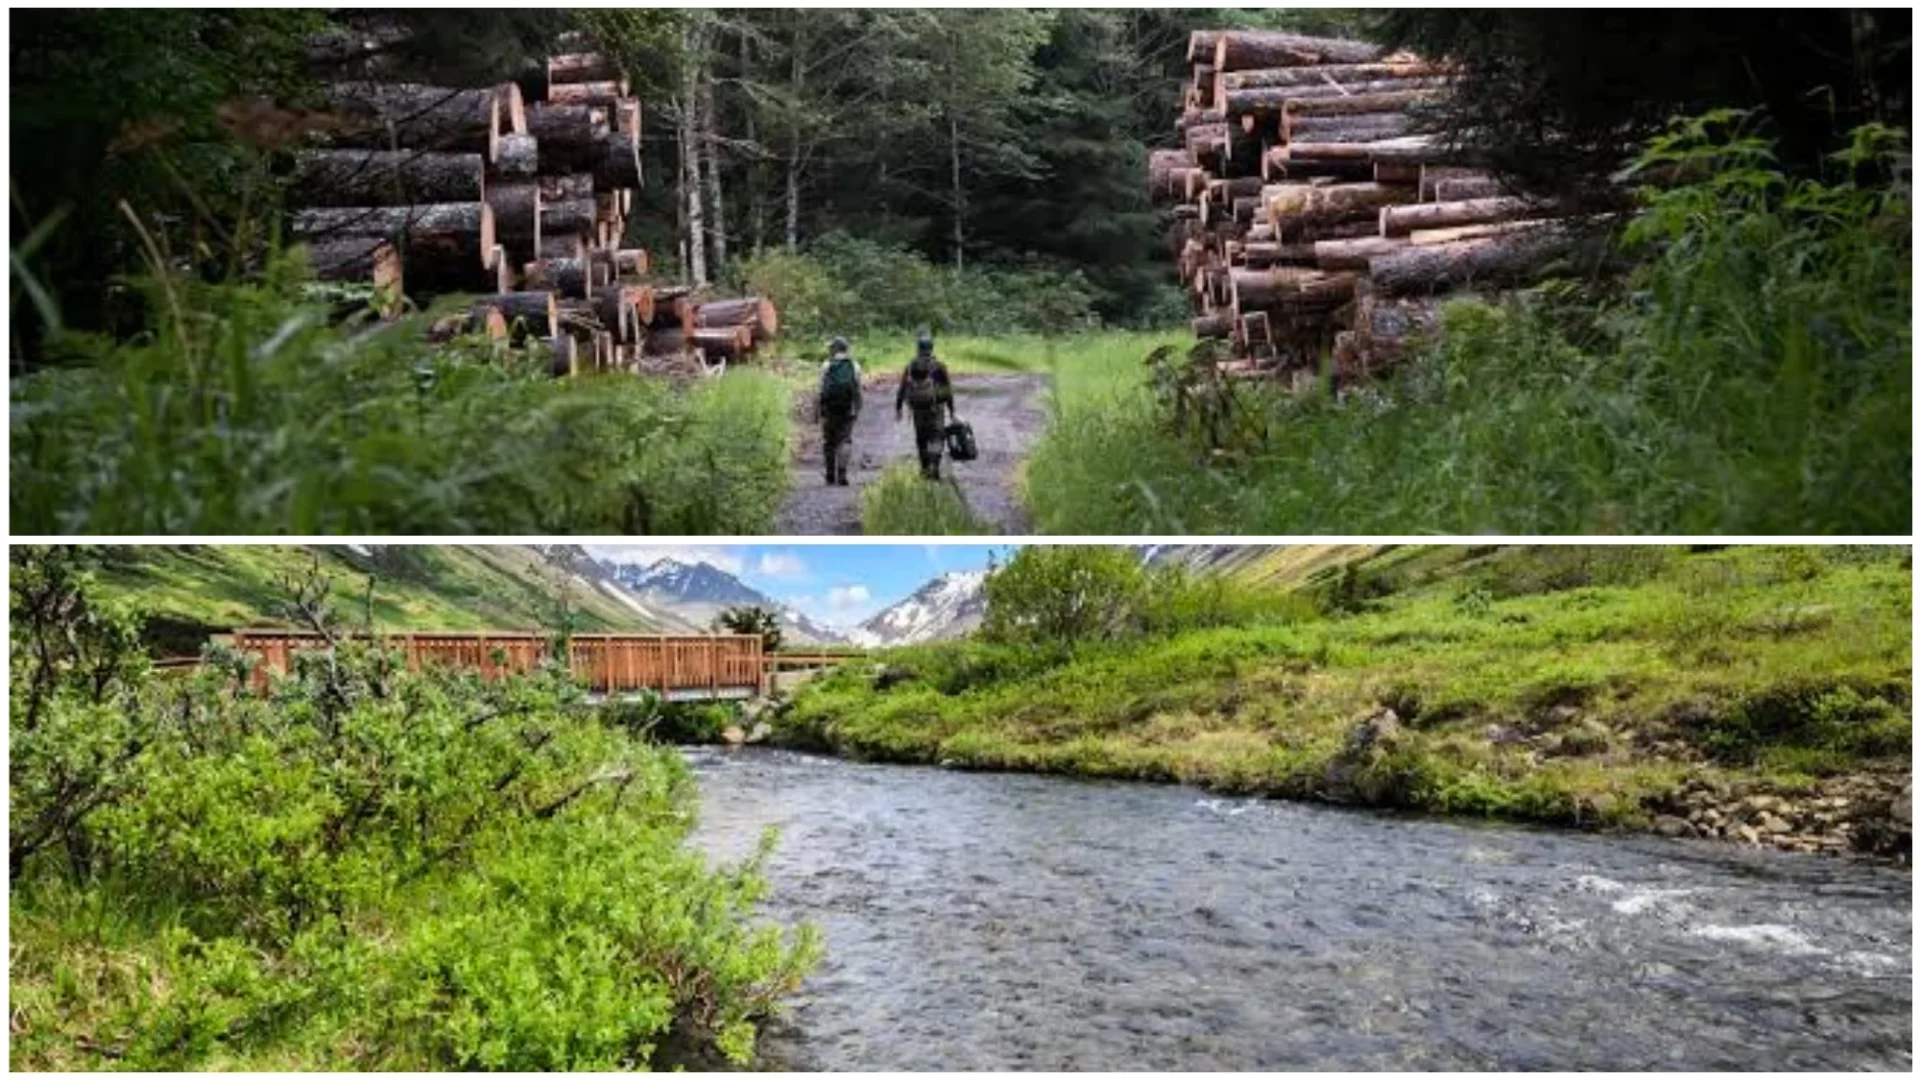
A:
{"x":697,"y":591}
{"x":950,"y":606}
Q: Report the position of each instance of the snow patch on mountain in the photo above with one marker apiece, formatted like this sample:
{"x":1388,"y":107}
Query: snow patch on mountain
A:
{"x":950,"y":606}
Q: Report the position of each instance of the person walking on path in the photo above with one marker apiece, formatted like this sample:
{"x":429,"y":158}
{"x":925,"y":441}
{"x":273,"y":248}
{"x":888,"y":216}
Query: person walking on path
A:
{"x":924,"y":389}
{"x":839,"y":401}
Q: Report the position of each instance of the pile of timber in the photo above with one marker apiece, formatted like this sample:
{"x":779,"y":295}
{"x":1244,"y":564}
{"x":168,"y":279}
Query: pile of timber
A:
{"x":427,"y":189}
{"x":1313,"y":215}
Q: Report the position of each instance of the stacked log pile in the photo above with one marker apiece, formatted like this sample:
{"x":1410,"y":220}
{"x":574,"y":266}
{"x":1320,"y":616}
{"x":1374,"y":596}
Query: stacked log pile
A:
{"x":1312,"y":215}
{"x":428,"y":189}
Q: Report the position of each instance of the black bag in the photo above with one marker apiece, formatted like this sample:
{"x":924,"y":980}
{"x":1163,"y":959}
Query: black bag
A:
{"x":960,"y":445}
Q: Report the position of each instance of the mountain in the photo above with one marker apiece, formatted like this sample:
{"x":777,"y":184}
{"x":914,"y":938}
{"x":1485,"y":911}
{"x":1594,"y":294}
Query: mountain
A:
{"x":695,"y":592}
{"x":950,"y":606}
{"x":191,"y":591}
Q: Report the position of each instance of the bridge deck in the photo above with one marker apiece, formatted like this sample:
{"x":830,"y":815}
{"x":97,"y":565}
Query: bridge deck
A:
{"x":680,"y":667}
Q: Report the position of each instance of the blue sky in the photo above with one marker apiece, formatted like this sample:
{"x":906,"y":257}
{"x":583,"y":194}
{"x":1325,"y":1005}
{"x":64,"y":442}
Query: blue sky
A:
{"x":836,"y":584}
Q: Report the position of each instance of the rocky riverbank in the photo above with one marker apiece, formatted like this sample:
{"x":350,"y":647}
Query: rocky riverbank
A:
{"x":1862,"y":814}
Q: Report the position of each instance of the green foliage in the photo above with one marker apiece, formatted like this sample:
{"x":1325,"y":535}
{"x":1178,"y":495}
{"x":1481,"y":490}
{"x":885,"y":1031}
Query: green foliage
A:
{"x":1572,"y":704}
{"x":248,"y":411}
{"x":752,"y":620}
{"x":845,"y":285}
{"x":903,"y":503}
{"x":360,"y":867}
{"x":1754,"y":377}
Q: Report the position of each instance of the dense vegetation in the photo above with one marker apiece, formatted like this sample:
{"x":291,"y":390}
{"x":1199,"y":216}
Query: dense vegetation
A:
{"x":361,"y":868}
{"x":1752,"y":375}
{"x":249,"y":411}
{"x":1554,"y":684}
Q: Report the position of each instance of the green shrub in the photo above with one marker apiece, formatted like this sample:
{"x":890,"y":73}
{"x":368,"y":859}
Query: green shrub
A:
{"x":362,"y":867}
{"x":846,"y":285}
{"x":249,"y":410}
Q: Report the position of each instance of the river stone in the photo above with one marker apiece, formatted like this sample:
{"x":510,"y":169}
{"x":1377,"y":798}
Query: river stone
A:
{"x":1749,"y":834}
{"x":1902,"y":808}
{"x":761,"y":732}
{"x":733,"y":736}
{"x":1668,"y":825}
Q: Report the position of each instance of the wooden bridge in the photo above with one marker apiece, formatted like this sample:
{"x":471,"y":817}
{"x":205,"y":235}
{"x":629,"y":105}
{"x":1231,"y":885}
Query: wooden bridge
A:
{"x":689,"y":667}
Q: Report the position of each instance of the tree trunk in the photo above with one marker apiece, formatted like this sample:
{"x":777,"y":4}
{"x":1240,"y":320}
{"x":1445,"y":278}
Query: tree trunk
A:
{"x":1239,"y":50}
{"x":753,"y":312}
{"x":568,"y":246}
{"x":519,"y":157}
{"x":1384,"y":102}
{"x":415,"y":117}
{"x":1256,"y":289}
{"x":1401,"y":220}
{"x":466,"y":226}
{"x":1296,"y":207}
{"x":710,"y":170}
{"x":1476,"y":232}
{"x":1361,"y":127}
{"x":605,"y":94}
{"x":1266,"y":253}
{"x":536,"y":313}
{"x":1352,"y":254}
{"x":1217,"y":325}
{"x":692,"y":41}
{"x":384,"y":178}
{"x":1493,"y":261}
{"x":571,"y":216}
{"x":798,"y":77}
{"x":517,"y":211}
{"x":581,"y":68}
{"x":561,"y":128}
{"x":1261,"y":101}
{"x":1345,"y":76}
{"x":959,"y":195}
{"x":565,"y":353}
{"x":563,"y":188}
{"x":570,"y":279}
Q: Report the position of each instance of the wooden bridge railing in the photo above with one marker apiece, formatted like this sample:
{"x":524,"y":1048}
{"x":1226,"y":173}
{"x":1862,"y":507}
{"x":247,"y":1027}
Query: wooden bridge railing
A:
{"x":692,"y":665}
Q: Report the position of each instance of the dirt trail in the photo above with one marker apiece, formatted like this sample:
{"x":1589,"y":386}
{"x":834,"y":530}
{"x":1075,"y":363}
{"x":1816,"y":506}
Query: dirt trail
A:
{"x":1007,"y":414}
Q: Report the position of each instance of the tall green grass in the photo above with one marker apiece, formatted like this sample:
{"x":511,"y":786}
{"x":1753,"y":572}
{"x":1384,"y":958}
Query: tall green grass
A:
{"x":1754,"y":376}
{"x":900,"y":503}
{"x":249,"y":409}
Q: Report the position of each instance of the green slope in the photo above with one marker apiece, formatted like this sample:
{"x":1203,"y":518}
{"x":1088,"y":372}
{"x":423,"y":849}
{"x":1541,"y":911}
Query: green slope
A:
{"x":189,"y":591}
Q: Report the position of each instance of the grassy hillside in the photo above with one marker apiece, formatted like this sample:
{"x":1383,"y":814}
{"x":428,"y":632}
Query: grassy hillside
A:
{"x":449,"y":587}
{"x":1558,"y":684}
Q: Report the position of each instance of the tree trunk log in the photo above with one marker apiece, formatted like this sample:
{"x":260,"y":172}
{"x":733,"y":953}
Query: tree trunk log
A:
{"x":1342,"y":75}
{"x":516,"y":212}
{"x":605,"y":93}
{"x":350,"y":258}
{"x":569,"y":217}
{"x":1361,"y":127}
{"x":564,"y":128}
{"x":555,"y":189}
{"x":616,"y":162}
{"x":518,"y":157}
{"x":1217,"y":325}
{"x":1273,"y":100}
{"x":536,"y":313}
{"x":581,"y":68}
{"x":630,"y":262}
{"x":415,"y":117}
{"x":1239,"y":50}
{"x":1296,"y":207}
{"x":1406,"y":150}
{"x":1494,"y":261}
{"x":1256,"y":289}
{"x":1476,"y":232}
{"x":570,"y":246}
{"x":1352,"y":254}
{"x":570,"y":279}
{"x":1393,"y":101}
{"x":383,"y":178}
{"x":565,"y":354}
{"x":1401,"y":220}
{"x":756,"y":313}
{"x":449,"y":230}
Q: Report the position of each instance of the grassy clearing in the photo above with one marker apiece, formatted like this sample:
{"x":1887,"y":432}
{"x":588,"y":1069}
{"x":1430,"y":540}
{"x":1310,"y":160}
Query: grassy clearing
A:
{"x":1754,"y":376}
{"x":249,"y":410}
{"x":900,"y":503}
{"x":1544,"y":684}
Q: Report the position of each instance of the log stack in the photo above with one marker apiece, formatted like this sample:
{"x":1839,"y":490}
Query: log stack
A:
{"x":1312,"y":214}
{"x":429,"y":189}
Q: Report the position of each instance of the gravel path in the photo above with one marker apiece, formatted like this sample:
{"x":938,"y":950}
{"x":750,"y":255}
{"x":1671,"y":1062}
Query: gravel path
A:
{"x":1007,"y":413}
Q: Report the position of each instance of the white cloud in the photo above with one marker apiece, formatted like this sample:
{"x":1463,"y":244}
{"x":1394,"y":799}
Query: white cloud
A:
{"x":780,"y":564}
{"x":723,"y":558}
{"x":844,"y":598}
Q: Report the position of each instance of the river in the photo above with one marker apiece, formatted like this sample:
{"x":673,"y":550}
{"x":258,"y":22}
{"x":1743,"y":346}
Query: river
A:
{"x":994,"y":921}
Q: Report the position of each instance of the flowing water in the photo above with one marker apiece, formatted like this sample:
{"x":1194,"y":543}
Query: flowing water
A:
{"x":988,"y":921}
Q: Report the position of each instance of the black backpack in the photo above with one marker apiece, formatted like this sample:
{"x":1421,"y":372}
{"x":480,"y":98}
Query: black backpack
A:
{"x":960,"y":444}
{"x":840,"y":391}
